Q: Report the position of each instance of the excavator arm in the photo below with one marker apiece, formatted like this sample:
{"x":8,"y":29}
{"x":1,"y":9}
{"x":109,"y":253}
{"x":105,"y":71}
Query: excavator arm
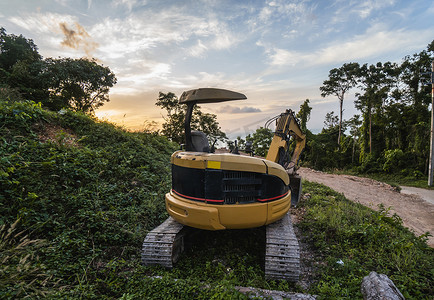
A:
{"x":287,"y":132}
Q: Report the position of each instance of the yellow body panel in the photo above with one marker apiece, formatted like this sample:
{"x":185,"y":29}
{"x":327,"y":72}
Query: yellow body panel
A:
{"x":226,"y":216}
{"x":230,"y":162}
{"x":233,"y":216}
{"x":227,"y":161}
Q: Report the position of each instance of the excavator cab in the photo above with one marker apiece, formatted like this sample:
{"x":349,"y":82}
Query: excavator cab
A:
{"x":217,"y":191}
{"x":197,"y":141}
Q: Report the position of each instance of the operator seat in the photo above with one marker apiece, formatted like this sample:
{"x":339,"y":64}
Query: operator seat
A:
{"x":200,"y":141}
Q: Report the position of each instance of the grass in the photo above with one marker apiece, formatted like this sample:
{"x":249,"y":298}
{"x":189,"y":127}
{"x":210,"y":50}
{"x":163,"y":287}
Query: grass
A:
{"x":364,"y":240}
{"x":394,"y":179}
{"x":398,"y":180}
{"x":78,"y":196}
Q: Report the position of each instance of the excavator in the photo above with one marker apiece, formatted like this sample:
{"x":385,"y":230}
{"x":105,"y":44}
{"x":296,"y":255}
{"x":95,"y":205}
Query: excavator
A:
{"x":218,"y":191}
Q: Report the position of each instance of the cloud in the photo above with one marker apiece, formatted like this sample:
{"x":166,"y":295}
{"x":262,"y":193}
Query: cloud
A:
{"x":365,"y":8}
{"x":281,"y":14}
{"x":43,"y":23}
{"x":147,"y":75}
{"x":77,"y":38}
{"x":375,"y":42}
{"x":59,"y":34}
{"x":128,"y":3}
{"x":279,"y":57}
{"x":198,"y":50}
{"x":353,"y":11}
{"x":277,"y":10}
{"x":229,"y":109}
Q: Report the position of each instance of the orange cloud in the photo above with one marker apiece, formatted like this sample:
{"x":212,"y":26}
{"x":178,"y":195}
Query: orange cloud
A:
{"x":77,"y":38}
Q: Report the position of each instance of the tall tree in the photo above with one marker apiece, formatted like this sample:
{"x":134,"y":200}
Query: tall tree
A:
{"x":354,"y":124}
{"x":304,"y":115}
{"x":173,"y":127}
{"x":340,"y":81}
{"x":80,"y":84}
{"x":375,"y":81}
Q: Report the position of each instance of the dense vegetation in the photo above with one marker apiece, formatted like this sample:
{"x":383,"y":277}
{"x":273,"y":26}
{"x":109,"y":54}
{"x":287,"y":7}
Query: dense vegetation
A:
{"x":77,"y":197}
{"x":392,"y":132}
{"x":87,"y":188}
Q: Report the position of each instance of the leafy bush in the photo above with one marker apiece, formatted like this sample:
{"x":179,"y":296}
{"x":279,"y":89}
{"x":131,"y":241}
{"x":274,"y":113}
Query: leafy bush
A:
{"x":370,"y":164}
{"x":394,"y":160}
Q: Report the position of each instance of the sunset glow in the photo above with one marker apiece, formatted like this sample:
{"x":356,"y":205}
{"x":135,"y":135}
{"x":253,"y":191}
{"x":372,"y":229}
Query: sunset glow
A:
{"x":276,"y":52}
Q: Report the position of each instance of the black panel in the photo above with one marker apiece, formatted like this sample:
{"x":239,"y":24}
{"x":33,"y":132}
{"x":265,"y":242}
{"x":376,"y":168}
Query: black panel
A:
{"x":272,"y":186}
{"x":188,"y":181}
{"x":228,"y":187}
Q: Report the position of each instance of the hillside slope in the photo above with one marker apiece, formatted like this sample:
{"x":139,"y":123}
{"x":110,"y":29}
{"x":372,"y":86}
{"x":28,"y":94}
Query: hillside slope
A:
{"x":88,"y":188}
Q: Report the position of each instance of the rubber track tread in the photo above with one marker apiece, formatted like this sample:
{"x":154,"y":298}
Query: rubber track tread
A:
{"x":282,"y":255}
{"x":160,"y":246}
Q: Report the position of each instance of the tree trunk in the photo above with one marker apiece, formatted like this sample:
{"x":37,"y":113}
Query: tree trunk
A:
{"x":341,"y":102}
{"x":370,"y":132}
{"x":354,"y":150}
{"x":379,"y":286}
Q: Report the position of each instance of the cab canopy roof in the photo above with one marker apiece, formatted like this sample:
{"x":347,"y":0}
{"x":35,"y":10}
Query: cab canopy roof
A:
{"x":209,"y":95}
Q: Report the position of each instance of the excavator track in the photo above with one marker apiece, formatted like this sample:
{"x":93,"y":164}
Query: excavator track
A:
{"x":282,"y":254}
{"x":164,"y":244}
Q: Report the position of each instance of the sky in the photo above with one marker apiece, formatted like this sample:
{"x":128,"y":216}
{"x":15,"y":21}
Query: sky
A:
{"x":278,"y":53}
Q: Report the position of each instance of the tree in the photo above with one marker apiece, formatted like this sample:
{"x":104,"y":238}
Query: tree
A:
{"x":375,"y":81}
{"x":21,"y":66}
{"x":241,"y":143}
{"x":354,"y":124}
{"x":340,"y":81}
{"x":393,"y":127}
{"x":80,"y":84}
{"x":331,"y":121}
{"x":261,"y":140}
{"x":173,"y":127}
{"x":15,"y":48}
{"x":304,"y":115}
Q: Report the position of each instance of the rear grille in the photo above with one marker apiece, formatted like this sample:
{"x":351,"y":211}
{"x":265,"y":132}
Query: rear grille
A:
{"x":241,"y":187}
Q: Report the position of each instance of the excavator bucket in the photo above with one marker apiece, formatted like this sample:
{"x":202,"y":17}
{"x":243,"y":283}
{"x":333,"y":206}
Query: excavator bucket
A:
{"x":295,"y":184}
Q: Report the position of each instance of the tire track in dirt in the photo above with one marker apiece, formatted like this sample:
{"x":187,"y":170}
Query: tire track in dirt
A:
{"x":416,"y":213}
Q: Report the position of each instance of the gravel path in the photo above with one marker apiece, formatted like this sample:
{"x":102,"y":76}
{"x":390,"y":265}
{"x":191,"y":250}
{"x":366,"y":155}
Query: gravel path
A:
{"x":416,"y":213}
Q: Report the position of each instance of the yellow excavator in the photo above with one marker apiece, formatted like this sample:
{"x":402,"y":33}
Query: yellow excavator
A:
{"x":216,"y":191}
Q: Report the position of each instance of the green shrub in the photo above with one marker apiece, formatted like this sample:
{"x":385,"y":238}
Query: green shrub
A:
{"x":394,"y":160}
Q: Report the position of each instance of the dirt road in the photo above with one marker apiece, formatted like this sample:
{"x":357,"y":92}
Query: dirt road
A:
{"x":416,"y":213}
